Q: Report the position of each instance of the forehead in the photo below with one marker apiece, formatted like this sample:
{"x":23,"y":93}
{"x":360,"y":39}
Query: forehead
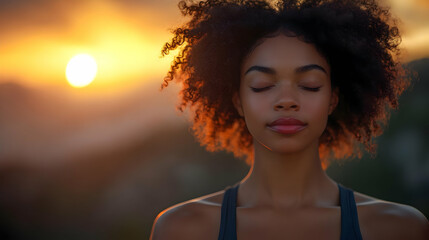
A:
{"x":284,"y":53}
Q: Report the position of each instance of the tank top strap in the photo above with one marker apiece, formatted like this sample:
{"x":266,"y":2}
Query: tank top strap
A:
{"x":349,"y":218}
{"x":228,"y":229}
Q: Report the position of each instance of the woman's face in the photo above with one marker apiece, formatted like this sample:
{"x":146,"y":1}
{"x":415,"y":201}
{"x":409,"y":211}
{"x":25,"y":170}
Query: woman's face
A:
{"x":285,"y":78}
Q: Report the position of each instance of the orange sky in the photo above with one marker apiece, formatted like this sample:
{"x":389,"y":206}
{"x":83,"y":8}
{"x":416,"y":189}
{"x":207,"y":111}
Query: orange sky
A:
{"x":40,"y":109}
{"x":125,"y":37}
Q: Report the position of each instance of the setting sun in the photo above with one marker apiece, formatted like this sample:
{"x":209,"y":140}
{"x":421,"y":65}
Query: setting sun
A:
{"x":81,"y":70}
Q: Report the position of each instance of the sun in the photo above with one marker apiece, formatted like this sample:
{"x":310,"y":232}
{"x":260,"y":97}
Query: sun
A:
{"x":81,"y":70}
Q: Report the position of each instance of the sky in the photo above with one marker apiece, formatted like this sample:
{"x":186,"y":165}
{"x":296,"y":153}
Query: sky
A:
{"x":40,"y":109}
{"x":39,"y":37}
{"x":125,"y":37}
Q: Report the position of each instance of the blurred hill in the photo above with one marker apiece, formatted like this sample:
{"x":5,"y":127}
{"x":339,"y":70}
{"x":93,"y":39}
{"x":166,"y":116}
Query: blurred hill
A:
{"x":76,"y":167}
{"x":103,"y":168}
{"x":52,"y":126}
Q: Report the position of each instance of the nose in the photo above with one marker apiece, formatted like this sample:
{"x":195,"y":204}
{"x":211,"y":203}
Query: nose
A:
{"x":286,"y":101}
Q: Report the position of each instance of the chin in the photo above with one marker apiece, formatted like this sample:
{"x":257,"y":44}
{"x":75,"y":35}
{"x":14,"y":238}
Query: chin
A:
{"x":286,"y":148}
{"x":287,"y":151}
{"x":291,"y":146}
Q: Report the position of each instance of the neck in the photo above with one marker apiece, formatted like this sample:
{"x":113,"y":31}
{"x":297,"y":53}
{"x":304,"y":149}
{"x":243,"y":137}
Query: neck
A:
{"x":287,"y":180}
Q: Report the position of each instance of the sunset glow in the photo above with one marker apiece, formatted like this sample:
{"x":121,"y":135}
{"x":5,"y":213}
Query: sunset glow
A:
{"x":91,"y":148}
{"x":81,"y":70}
{"x":126,"y":41}
{"x":127,"y":48}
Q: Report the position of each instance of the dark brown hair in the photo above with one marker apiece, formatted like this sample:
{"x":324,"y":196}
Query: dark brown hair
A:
{"x":358,"y":38}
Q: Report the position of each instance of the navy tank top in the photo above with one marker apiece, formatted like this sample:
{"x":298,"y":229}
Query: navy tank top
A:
{"x":349,"y":219}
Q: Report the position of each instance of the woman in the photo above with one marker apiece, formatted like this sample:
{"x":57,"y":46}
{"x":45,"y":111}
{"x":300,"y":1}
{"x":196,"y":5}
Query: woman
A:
{"x":290,"y":86}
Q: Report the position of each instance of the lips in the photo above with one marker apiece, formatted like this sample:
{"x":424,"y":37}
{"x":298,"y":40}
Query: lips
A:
{"x":286,"y":121}
{"x":287,"y":125}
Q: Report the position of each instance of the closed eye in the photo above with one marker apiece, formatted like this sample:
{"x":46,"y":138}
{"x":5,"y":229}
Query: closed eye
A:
{"x":260,"y":89}
{"x":266,"y":88}
{"x":311,"y":89}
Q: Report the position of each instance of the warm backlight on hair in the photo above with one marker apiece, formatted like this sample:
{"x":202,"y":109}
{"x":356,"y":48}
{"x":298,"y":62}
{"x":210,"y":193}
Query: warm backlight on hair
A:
{"x":81,"y":70}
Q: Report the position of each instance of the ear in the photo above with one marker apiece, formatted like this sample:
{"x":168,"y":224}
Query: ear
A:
{"x":334,"y":100}
{"x":237,"y":103}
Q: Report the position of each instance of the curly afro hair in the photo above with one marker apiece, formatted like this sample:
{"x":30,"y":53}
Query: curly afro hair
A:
{"x":358,"y":38}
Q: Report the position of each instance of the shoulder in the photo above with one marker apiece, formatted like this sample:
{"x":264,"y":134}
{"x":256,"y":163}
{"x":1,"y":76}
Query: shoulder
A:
{"x":379,"y":219}
{"x":197,"y":218}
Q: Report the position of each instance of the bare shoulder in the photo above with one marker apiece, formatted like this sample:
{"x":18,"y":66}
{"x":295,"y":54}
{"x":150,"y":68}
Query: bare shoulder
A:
{"x":194,"y":219}
{"x":379,"y":219}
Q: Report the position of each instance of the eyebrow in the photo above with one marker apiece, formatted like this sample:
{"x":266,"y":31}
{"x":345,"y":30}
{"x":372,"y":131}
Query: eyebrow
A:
{"x":300,"y":69}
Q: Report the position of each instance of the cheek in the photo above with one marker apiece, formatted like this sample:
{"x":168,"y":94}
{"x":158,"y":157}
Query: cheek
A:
{"x":253,"y":107}
{"x":319,"y":110}
{"x":254,"y":103}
